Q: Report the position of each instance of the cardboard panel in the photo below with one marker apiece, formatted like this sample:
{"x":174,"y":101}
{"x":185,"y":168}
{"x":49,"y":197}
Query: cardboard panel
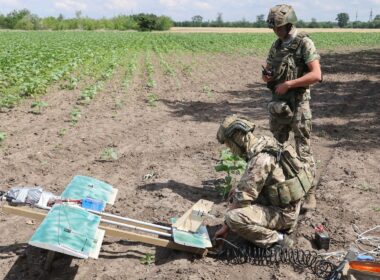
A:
{"x":69,"y":230}
{"x":82,"y":186}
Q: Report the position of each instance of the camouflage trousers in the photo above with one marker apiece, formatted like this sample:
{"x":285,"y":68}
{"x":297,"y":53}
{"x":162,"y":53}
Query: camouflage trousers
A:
{"x":301,"y":126}
{"x":259,"y":224}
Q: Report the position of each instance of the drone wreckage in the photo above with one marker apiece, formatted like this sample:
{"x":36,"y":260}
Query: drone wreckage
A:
{"x":75,"y":224}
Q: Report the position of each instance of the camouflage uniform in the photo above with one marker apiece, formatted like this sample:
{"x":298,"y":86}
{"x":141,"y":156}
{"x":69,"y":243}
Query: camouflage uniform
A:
{"x":255,"y":218}
{"x":299,"y":121}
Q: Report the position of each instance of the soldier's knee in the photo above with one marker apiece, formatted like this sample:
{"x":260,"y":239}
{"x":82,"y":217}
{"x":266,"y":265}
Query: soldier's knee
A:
{"x":230,"y":218}
{"x":233,"y":220}
{"x":302,"y":129}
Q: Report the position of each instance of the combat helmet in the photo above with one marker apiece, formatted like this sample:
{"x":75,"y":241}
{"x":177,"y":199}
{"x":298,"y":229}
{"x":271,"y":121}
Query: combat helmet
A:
{"x":231,"y":124}
{"x":281,"y":15}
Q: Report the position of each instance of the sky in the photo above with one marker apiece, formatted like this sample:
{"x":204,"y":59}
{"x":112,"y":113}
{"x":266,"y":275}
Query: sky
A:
{"x":180,"y":10}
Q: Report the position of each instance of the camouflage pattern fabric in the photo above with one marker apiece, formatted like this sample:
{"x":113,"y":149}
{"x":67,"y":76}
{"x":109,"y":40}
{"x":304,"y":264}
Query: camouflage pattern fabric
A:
{"x":297,"y":99}
{"x":263,"y":171}
{"x":307,"y":50}
{"x":259,"y":224}
{"x":301,"y":125}
{"x":259,"y":167}
{"x":280,"y":15}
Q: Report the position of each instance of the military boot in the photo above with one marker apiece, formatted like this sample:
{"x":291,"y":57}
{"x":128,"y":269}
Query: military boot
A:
{"x":286,"y":242}
{"x":310,"y":202}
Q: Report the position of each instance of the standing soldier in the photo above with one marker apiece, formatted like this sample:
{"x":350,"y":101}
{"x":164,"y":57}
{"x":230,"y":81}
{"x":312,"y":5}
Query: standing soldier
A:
{"x":292,"y":66}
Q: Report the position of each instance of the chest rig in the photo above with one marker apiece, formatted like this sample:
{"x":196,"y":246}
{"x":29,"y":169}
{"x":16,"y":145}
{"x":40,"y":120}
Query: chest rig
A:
{"x":299,"y":178}
{"x":288,"y":64}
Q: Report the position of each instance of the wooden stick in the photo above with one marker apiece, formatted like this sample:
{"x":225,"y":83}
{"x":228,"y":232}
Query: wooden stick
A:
{"x":161,"y":242}
{"x":193,"y":218}
{"x":24,"y":212}
{"x":131,"y":236}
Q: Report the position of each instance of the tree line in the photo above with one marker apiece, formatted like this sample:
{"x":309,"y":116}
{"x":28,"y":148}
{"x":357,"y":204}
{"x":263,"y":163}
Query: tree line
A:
{"x":25,"y":20}
{"x":342,"y":21}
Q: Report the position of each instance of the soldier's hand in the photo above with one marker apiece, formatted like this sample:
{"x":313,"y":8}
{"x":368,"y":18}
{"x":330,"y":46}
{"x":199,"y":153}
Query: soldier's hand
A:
{"x":231,"y":193}
{"x":222,"y":232}
{"x":282,"y":88}
{"x":267,"y":78}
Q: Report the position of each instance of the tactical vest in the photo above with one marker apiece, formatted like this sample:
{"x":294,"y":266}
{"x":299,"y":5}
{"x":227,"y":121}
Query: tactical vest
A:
{"x":288,"y":64}
{"x":298,"y":179}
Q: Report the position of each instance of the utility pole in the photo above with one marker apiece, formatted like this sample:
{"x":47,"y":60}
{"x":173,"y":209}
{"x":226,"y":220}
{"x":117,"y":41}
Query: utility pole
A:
{"x":370,"y":16}
{"x":356,"y":18}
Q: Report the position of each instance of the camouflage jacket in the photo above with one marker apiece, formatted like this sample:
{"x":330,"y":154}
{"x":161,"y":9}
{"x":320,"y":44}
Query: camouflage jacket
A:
{"x":288,"y":60}
{"x":263,"y":172}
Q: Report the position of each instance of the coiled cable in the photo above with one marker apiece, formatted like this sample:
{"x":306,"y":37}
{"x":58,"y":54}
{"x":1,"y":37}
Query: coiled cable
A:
{"x":248,"y":253}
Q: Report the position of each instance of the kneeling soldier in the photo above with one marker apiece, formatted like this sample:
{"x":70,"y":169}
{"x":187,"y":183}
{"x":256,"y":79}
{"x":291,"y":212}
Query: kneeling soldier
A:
{"x":266,"y":202}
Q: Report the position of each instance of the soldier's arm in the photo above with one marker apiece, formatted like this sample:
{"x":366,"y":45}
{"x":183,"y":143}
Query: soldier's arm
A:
{"x":253,"y":179}
{"x":267,"y":78}
{"x":314,"y":75}
{"x":311,"y":58}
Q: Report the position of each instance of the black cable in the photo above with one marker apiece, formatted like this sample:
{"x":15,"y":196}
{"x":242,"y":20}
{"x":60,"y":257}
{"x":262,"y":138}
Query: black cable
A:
{"x":248,"y":253}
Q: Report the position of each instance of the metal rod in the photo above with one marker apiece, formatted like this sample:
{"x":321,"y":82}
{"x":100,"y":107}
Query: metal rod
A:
{"x":136,"y":228}
{"x":3,"y":198}
{"x":130,"y":220}
{"x":114,"y":232}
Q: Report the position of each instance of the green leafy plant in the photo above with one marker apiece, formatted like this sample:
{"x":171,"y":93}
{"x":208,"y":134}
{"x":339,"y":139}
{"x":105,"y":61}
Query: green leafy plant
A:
{"x":233,"y":166}
{"x":131,"y":68}
{"x":119,"y":104}
{"x":152,"y":100}
{"x":107,"y":73}
{"x":147,"y":259}
{"x":62,"y":132}
{"x":365,"y":187}
{"x":206,"y":89}
{"x":72,"y":83}
{"x":89,"y":93}
{"x":2,"y":136}
{"x":151,"y":83}
{"x":32,"y":62}
{"x":109,"y":154}
{"x":168,"y":69}
{"x":75,"y":115}
{"x":187,"y":69}
{"x":38,"y":106}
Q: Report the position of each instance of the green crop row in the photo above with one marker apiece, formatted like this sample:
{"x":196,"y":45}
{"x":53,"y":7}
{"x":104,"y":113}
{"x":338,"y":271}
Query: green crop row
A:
{"x":31,"y":61}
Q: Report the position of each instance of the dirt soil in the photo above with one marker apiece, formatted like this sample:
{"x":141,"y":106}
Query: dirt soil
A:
{"x":175,"y":141}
